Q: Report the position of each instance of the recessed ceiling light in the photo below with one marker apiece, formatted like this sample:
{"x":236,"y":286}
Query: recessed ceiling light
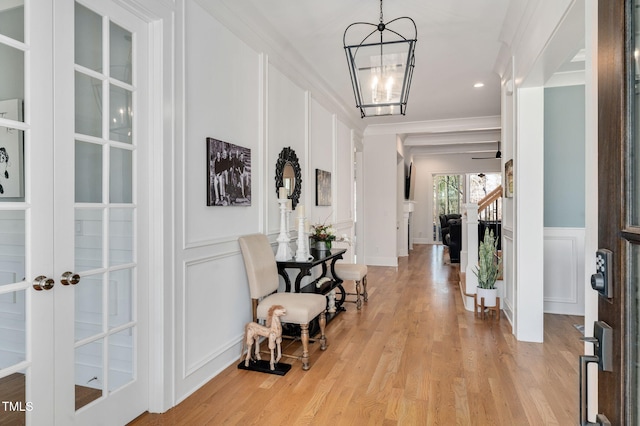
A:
{"x":477,"y":85}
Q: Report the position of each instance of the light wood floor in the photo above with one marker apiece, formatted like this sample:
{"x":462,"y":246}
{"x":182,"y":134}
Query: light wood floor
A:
{"x":412,"y":356}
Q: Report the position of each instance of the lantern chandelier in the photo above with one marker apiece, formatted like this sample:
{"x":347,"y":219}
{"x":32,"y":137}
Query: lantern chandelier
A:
{"x":381,"y":70}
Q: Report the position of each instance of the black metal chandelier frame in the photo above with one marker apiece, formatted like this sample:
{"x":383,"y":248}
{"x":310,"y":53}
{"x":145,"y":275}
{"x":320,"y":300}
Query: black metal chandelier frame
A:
{"x":351,"y":51}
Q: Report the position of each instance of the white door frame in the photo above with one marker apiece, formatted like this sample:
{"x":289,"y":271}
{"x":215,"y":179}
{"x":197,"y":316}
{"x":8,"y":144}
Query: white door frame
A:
{"x":165,"y":19}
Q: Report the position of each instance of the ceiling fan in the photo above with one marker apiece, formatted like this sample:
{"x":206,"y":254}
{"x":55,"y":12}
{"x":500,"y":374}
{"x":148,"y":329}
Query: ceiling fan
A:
{"x":497,"y":156}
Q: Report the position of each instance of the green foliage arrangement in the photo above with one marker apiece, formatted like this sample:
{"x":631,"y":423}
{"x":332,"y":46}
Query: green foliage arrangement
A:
{"x":488,"y":261}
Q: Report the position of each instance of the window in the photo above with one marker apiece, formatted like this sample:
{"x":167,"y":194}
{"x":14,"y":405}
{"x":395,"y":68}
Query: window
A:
{"x":448,"y":195}
{"x":480,"y":185}
{"x":450,"y":192}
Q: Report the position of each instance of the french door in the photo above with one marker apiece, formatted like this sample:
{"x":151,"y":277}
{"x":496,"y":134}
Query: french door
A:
{"x":73,"y":251}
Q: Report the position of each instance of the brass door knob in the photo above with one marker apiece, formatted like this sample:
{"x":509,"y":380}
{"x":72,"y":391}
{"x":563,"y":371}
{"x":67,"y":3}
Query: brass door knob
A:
{"x":43,"y":283}
{"x":69,"y":278}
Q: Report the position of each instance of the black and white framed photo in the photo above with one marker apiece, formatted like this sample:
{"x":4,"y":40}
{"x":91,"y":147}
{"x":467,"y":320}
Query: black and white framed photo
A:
{"x":11,"y":152}
{"x":323,"y":188}
{"x":228,"y":174}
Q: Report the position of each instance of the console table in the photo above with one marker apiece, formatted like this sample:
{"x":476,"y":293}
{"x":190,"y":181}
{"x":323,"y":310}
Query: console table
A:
{"x":324,"y":259}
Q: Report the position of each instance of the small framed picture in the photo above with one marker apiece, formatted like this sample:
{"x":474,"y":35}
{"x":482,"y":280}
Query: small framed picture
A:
{"x":228,"y":174}
{"x":323,"y":188}
{"x":508,"y":179}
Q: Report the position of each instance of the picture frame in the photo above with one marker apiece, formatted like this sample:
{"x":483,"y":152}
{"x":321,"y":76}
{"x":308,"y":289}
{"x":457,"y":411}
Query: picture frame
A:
{"x":11,"y":152}
{"x":508,"y":179}
{"x":228,"y":174}
{"x":323,"y":188}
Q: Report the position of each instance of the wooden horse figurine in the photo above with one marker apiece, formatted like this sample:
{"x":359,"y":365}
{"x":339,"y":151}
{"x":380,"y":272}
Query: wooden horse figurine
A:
{"x":272,"y":331}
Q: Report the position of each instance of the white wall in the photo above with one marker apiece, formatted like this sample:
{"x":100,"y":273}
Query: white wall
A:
{"x":528,"y":194}
{"x":321,"y":157}
{"x":508,"y":204}
{"x":343,"y":181}
{"x":527,"y":61}
{"x":220,"y":102}
{"x":235,"y":90}
{"x":380,"y":175}
{"x":287,"y":111}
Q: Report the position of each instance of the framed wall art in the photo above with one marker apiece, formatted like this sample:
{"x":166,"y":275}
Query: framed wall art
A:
{"x":11,"y":152}
{"x":508,"y":179}
{"x":323,"y":188}
{"x":228,"y":174}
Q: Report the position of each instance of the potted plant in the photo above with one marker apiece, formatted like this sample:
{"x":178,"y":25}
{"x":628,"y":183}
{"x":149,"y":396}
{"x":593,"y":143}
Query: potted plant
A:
{"x":488,"y":269}
{"x":322,"y":235}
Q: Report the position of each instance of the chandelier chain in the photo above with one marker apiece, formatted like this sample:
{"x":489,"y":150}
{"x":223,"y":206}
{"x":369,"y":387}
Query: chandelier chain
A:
{"x":381,"y":20}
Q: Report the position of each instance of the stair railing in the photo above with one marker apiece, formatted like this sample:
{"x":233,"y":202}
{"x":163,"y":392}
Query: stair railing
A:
{"x":489,"y":206}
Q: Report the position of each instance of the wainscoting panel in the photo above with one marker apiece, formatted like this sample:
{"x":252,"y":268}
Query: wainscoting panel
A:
{"x":214,"y":305}
{"x":508,"y":276}
{"x":564,"y":271}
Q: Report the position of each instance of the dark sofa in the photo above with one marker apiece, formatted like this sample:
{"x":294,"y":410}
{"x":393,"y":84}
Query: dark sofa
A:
{"x":444,"y":225}
{"x":455,"y":240}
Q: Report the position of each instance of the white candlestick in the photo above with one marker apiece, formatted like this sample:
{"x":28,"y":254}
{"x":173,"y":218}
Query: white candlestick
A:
{"x":302,"y":253}
{"x":288,"y":213}
{"x":284,"y":251}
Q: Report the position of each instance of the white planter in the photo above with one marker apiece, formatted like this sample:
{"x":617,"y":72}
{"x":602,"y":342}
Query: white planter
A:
{"x":489,"y":295}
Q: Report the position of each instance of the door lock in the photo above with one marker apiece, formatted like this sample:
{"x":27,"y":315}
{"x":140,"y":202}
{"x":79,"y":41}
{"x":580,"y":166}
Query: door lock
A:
{"x":603,"y":344}
{"x":602,"y":280}
{"x":603,"y":347}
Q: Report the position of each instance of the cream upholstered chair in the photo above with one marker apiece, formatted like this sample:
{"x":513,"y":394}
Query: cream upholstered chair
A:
{"x":262,"y":273}
{"x":357,"y":273}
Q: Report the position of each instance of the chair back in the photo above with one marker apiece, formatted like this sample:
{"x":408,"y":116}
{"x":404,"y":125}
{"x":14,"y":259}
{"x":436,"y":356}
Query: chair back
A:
{"x":260,"y":263}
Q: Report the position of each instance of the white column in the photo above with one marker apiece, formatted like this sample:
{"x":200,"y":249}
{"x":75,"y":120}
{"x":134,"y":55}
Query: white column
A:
{"x":471,"y":213}
{"x":406,"y":240}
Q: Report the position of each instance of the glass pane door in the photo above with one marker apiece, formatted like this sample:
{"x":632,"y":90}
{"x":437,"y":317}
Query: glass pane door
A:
{"x":14,"y":358}
{"x":105,"y":210}
{"x":26,"y":221}
{"x":102,"y":308}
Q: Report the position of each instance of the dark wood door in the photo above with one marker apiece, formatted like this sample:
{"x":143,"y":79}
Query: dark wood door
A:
{"x":618,"y":199}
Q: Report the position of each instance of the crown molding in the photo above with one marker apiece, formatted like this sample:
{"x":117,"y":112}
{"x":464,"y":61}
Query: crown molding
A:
{"x":436,"y":126}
